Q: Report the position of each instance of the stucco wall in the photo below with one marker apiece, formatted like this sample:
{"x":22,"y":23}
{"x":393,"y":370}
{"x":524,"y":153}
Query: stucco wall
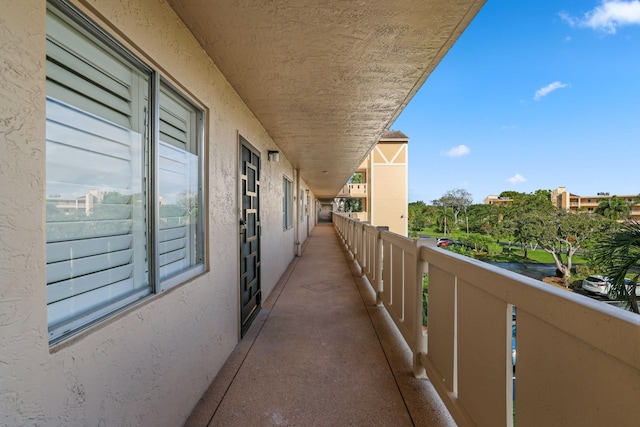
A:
{"x":150,"y":364}
{"x":390,"y":198}
{"x":389,"y":185}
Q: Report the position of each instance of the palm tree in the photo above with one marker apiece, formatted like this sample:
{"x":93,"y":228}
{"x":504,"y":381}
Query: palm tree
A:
{"x":620,"y":252}
{"x":613,"y":208}
{"x":444,"y":219}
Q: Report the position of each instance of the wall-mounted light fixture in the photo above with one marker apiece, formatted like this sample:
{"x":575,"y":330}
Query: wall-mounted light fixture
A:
{"x":274,"y":156}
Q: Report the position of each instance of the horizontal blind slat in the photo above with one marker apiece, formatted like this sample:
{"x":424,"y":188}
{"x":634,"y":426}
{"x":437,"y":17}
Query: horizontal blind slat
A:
{"x":171,"y":245}
{"x":88,"y":50}
{"x":77,"y":267}
{"x":172,"y":233}
{"x":57,"y":91}
{"x":62,"y":251}
{"x":74,"y":231}
{"x":78,"y":285}
{"x":63,"y":310}
{"x":77,"y":129}
{"x":64,"y":66}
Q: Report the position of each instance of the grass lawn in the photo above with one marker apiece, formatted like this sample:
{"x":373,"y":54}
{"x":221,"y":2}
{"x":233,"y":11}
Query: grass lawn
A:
{"x":431,"y":232}
{"x":500,"y":253}
{"x":538,"y":255}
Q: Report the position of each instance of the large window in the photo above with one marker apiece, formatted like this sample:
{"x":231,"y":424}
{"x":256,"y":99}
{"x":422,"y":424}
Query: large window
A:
{"x":124,"y":177}
{"x":287,"y":203}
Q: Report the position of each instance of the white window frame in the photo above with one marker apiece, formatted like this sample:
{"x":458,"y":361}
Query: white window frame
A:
{"x":95,"y":41}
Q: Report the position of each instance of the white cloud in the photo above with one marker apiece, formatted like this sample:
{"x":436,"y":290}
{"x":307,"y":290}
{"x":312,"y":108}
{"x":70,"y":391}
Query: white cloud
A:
{"x":548,"y":89}
{"x":607,"y":17}
{"x":460,"y":150}
{"x":516,"y":179}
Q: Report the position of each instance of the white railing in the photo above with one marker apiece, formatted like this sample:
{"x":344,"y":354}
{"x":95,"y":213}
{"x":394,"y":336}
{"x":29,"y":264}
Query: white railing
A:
{"x":360,"y":216}
{"x":358,"y":190}
{"x":353,"y":190}
{"x":578,"y":360}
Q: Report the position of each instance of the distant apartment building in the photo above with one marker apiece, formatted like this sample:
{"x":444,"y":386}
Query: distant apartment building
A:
{"x":496,"y":200}
{"x":84,"y":203}
{"x":384,"y":186}
{"x":563,"y":199}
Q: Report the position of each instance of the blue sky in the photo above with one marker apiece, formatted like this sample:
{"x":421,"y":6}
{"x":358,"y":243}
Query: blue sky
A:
{"x":533,"y":95}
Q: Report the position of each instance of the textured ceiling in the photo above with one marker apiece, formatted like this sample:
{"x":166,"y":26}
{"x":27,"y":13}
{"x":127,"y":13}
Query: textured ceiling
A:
{"x":326,"y":78}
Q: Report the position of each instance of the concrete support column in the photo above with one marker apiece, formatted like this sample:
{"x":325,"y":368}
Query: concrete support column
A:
{"x":296,"y":225}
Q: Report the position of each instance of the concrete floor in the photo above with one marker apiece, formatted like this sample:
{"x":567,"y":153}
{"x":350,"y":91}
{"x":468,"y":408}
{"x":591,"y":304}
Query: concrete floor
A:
{"x":320,"y":353}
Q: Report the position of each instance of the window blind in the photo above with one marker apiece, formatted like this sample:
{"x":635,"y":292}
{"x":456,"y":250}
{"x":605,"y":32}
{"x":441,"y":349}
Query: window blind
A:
{"x":96,"y":221}
{"x":177,"y":184}
{"x":124,"y":186}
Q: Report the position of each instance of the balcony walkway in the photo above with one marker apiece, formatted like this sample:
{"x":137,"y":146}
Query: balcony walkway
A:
{"x":320,"y":353}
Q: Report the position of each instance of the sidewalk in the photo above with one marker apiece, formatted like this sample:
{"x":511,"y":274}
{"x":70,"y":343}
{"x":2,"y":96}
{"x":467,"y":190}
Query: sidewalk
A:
{"x":320,"y":353}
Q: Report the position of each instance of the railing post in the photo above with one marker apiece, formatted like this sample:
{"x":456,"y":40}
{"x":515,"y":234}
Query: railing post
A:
{"x":421,"y":269}
{"x":356,"y":239}
{"x":378,"y":264}
{"x":364,"y":254}
{"x":358,"y":243}
{"x":351,"y":238}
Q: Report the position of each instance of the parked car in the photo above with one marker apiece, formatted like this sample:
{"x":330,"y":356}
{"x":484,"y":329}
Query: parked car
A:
{"x":601,"y":285}
{"x":450,"y":244}
{"x":598,"y":285}
{"x":441,"y":242}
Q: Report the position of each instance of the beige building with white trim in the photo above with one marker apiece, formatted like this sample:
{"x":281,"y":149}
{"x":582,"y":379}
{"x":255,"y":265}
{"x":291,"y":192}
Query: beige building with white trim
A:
{"x":496,"y":200}
{"x":564,"y":199}
{"x":384,"y":189}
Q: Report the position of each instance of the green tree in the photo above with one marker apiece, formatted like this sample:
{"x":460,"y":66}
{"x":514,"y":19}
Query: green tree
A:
{"x":566,"y":232}
{"x":524,"y":218}
{"x":513,"y":195}
{"x":417,"y":215}
{"x":356,"y":178}
{"x":352,"y":205}
{"x":527,"y":227}
{"x":444,"y":219}
{"x":458,"y":200}
{"x":613,"y":208}
{"x":483,"y":218}
{"x":504,"y":230}
{"x":540,"y":195}
{"x":620,"y":253}
{"x":478,"y":242}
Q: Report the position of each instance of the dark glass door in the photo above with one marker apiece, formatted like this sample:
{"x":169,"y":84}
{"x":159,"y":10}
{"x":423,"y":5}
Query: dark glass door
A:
{"x":250,"y":295}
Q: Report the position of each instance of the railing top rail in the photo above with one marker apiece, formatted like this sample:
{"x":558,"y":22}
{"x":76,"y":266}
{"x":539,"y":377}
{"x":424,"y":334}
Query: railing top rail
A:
{"x":371,"y":229}
{"x":591,"y":321}
{"x":402,"y":242}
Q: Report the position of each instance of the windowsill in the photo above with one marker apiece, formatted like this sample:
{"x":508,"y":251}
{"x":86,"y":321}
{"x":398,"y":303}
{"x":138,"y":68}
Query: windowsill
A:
{"x":117,"y":315}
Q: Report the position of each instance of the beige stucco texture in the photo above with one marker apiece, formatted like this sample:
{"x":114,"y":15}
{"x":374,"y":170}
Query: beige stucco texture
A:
{"x":327,"y":77}
{"x":150,"y":364}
